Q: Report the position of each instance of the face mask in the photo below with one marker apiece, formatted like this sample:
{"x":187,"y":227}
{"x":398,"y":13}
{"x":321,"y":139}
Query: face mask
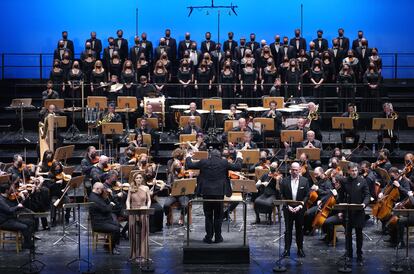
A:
{"x":76,"y":66}
{"x":88,"y":47}
{"x":167,"y":35}
{"x":230,"y":37}
{"x":187,"y":37}
{"x":58,"y":171}
{"x":65,"y":37}
{"x":208,"y":38}
{"x":319,"y":35}
{"x":144,"y":162}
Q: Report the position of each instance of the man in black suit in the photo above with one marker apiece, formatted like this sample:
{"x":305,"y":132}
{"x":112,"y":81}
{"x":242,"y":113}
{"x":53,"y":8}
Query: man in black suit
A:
{"x":294,"y":187}
{"x":230,"y":44}
{"x":208,"y":45}
{"x":312,"y":53}
{"x":217,"y":54}
{"x":357,"y":42}
{"x":61,"y":50}
{"x":135,"y":51}
{"x":122,"y":45}
{"x":67,"y":44}
{"x":102,"y":218}
{"x":275,"y":48}
{"x":321,"y":44}
{"x":88,"y":52}
{"x":144,"y":128}
{"x":172,"y":44}
{"x":337,"y":54}
{"x":253,"y":45}
{"x":287,"y":50}
{"x":213,"y":183}
{"x":276,"y":115}
{"x":184,"y":45}
{"x":147,"y":47}
{"x":343,"y":41}
{"x":353,"y":133}
{"x":363,"y":53}
{"x":162,"y":47}
{"x":240,"y":50}
{"x":298,"y":42}
{"x":191,"y":127}
{"x":96,"y":44}
{"x":108,"y":51}
{"x":354,"y":190}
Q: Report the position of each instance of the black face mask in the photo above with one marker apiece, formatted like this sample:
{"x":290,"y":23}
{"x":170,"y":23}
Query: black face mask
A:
{"x":319,"y":35}
{"x":76,"y":66}
{"x":360,"y":36}
{"x":230,"y":37}
{"x":119,"y":35}
{"x":262,"y":159}
{"x":130,"y":154}
{"x":178,"y":169}
{"x":144,"y":162}
{"x":144,"y":38}
{"x":105,"y":165}
{"x":167,"y":35}
{"x":65,"y":37}
{"x":277,"y":40}
{"x":242,"y":43}
{"x":58,"y":171}
{"x":187,"y":37}
{"x":88,"y":47}
{"x":111,"y":43}
{"x":208,"y":38}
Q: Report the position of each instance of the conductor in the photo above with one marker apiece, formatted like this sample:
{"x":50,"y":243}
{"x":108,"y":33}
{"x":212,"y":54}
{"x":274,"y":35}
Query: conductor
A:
{"x":213,"y":183}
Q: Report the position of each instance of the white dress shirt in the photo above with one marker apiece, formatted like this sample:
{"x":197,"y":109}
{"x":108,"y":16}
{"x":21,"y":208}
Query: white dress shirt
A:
{"x":294,"y":183}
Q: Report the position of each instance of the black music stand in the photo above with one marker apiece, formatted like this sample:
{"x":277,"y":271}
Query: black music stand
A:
{"x":21,"y":104}
{"x":79,"y":260}
{"x":75,"y":183}
{"x":183,"y":187}
{"x":31,"y":266}
{"x":279,"y":267}
{"x":245,"y":187}
{"x":148,"y":265}
{"x":347,"y":208}
{"x":396,"y":266}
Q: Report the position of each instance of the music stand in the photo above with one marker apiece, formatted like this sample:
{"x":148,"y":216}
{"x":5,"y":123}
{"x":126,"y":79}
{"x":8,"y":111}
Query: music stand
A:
{"x":75,"y":183}
{"x":396,"y":266}
{"x":230,"y":124}
{"x":152,"y":122}
{"x":98,"y":102}
{"x":235,"y":136}
{"x":291,"y":136}
{"x":4,"y":179}
{"x":148,"y":266}
{"x":277,"y":203}
{"x":31,"y":265}
{"x":199,"y":155}
{"x":314,"y":154}
{"x":21,"y":104}
{"x":125,"y":171}
{"x":79,"y":260}
{"x":111,"y":129}
{"x":259,"y":172}
{"x":244,"y":187}
{"x":342,"y":123}
{"x":141,"y":150}
{"x":410,"y":120}
{"x":184,"y":138}
{"x":250,"y":156}
{"x":59,"y":103}
{"x":382,"y":124}
{"x":147,"y":139}
{"x":215,"y":103}
{"x":280,"y":101}
{"x":346,"y":207}
{"x":127,"y":104}
{"x":183,"y":187}
{"x":63,"y":153}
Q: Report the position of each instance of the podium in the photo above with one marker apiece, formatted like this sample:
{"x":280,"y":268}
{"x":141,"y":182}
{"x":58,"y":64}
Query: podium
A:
{"x":396,"y":266}
{"x":148,"y":265}
{"x":277,"y":203}
{"x":347,"y":208}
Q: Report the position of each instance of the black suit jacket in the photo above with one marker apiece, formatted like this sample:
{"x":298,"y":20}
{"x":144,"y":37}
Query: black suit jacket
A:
{"x":187,"y":129}
{"x":213,"y":178}
{"x":324,"y":44}
{"x":97,"y":48}
{"x":106,"y":57}
{"x":355,"y":43}
{"x":158,"y":52}
{"x":354,"y":191}
{"x":364,"y":60}
{"x":134,"y":55}
{"x":148,"y":50}
{"x":69,"y":46}
{"x":56,"y":54}
{"x":7,"y":212}
{"x":204,"y":46}
{"x":226,"y":46}
{"x":301,"y":195}
{"x":291,"y":53}
{"x":256,"y":45}
{"x":239,"y":52}
{"x":276,"y":53}
{"x":182,"y":47}
{"x":123,"y":49}
{"x":302,"y":44}
{"x":345,"y":43}
{"x":100,"y":210}
{"x":172,"y":43}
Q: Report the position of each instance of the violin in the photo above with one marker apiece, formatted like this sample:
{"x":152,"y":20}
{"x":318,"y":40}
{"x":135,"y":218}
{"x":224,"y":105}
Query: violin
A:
{"x":378,"y":163}
{"x":63,"y":176}
{"x":95,"y":160}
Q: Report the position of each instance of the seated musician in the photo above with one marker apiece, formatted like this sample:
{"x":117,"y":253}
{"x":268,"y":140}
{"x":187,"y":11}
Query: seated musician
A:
{"x":269,"y":188}
{"x":49,"y":93}
{"x":9,"y":219}
{"x":44,"y":166}
{"x":102,"y":218}
{"x":144,"y":164}
{"x":149,"y":113}
{"x":403,"y":186}
{"x":16,"y":170}
{"x":193,"y":110}
{"x":247,"y":142}
{"x":388,"y":112}
{"x":334,"y":217}
{"x":372,"y":178}
{"x":233,"y":115}
{"x":276,"y":116}
{"x":263,"y":163}
{"x":311,"y":142}
{"x":337,"y":152}
{"x":200,"y":145}
{"x":44,"y":112}
{"x":409,"y":166}
{"x":305,"y":167}
{"x":383,"y":160}
{"x":242,"y":126}
{"x":323,"y":188}
{"x":57,"y":182}
{"x":145,"y":89}
{"x":405,"y":221}
{"x":91,"y":158}
{"x":351,"y":133}
{"x":99,"y":169}
{"x":129,"y":157}
{"x":145,"y":128}
{"x":300,"y":125}
{"x":138,"y":141}
{"x":191,"y":127}
{"x":177,"y":171}
{"x":115,"y":89}
{"x":177,"y":154}
{"x":110,"y":116}
{"x":314,"y":120}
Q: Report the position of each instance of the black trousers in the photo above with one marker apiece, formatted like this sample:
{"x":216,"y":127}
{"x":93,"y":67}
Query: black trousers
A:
{"x":25,"y":226}
{"x":155,"y":221}
{"x":309,"y":216}
{"x":110,"y":226}
{"x":213,"y":213}
{"x":329,"y":224}
{"x":264,"y":204}
{"x":298,"y":219}
{"x":359,"y":240}
{"x":402,"y":224}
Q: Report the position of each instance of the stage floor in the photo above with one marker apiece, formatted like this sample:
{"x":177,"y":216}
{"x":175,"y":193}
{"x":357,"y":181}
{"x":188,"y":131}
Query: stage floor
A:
{"x":167,"y":252}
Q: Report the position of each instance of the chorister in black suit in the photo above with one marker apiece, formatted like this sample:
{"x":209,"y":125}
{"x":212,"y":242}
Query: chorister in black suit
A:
{"x":184,"y":45}
{"x":135,"y":52}
{"x":287,"y":50}
{"x":252,"y":44}
{"x":337,"y":54}
{"x":298,"y":42}
{"x":275,"y":48}
{"x":96,"y":45}
{"x":147,"y":47}
{"x":321,"y":44}
{"x":230,"y":44}
{"x":122,"y":45}
{"x":358,"y":42}
{"x":343,"y":41}
{"x":172,"y":44}
{"x":208,"y":45}
{"x":213,"y":183}
{"x":296,"y":188}
{"x":354,"y":190}
{"x":363,"y":53}
{"x":67,"y":44}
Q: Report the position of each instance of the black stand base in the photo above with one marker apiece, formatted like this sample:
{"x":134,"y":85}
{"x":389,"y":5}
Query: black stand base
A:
{"x":279,"y":268}
{"x":344,"y":269}
{"x":148,"y":268}
{"x":396,"y":269}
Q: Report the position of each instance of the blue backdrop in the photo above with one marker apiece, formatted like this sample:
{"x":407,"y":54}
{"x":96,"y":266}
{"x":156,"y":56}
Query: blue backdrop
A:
{"x":35,"y":26}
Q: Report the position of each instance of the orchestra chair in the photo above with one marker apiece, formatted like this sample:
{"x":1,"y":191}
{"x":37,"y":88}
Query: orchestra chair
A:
{"x":176,"y":205}
{"x":334,"y":234}
{"x":10,"y":236}
{"x":101,"y":237}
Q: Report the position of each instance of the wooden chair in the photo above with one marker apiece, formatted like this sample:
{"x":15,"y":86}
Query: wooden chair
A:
{"x":101,"y":237}
{"x":14,"y":237}
{"x":334,"y":234}
{"x":176,"y":205}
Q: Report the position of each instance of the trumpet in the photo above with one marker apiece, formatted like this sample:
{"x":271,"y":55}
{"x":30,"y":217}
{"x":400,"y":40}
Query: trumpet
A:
{"x":106,"y":119}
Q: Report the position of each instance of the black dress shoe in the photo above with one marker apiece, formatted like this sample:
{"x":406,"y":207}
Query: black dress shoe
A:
{"x":301,"y":253}
{"x":218,"y":239}
{"x":360,"y":261}
{"x":207,"y":240}
{"x":286,"y":253}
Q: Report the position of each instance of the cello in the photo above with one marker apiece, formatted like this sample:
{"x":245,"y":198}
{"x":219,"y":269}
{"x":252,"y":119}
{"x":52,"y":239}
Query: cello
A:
{"x":383,"y":208}
{"x":323,"y":213}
